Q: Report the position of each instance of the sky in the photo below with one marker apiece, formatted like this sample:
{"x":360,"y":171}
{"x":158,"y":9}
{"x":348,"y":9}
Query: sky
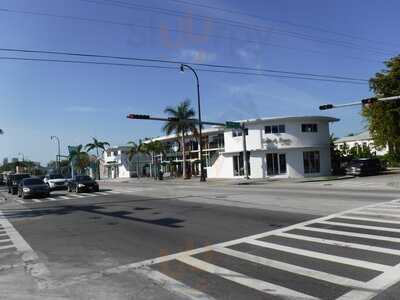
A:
{"x":76,"y":102}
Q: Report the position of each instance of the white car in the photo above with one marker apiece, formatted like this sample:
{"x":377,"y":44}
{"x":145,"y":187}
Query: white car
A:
{"x":56,"y":182}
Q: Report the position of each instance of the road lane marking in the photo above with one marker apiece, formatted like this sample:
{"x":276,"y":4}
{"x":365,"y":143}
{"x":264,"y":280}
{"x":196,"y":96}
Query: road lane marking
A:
{"x":328,"y":257}
{"x":32,"y":265}
{"x":64,"y":197}
{"x":88,"y":195}
{"x":6,"y":247}
{"x":259,"y":285}
{"x":360,"y":226}
{"x":36,"y":200}
{"x":371,"y":213}
{"x":319,"y":275}
{"x":20,"y":201}
{"x":345,"y":216}
{"x":375,"y":286}
{"x":339,"y":243}
{"x":76,"y":196}
{"x":51,"y":199}
{"x":102,"y":193}
{"x":353,"y":234}
{"x":173,"y":285}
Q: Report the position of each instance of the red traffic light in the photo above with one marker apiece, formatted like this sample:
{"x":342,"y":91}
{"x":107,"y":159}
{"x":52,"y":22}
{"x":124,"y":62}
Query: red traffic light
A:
{"x":138,"y":117}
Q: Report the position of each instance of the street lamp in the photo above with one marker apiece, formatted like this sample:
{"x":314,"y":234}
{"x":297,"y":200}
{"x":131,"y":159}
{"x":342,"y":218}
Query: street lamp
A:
{"x":58,"y":158}
{"x":202,"y":173}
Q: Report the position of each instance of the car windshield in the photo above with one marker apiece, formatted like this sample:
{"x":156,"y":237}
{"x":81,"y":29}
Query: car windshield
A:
{"x":32,"y":181}
{"x":83,"y":178}
{"x":56,"y":176}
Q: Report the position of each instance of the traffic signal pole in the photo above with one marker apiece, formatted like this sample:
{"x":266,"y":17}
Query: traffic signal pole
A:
{"x":362,"y":102}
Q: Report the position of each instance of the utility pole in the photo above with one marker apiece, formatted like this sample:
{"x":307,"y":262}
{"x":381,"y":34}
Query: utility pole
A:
{"x":58,"y":158}
{"x":245,"y":161}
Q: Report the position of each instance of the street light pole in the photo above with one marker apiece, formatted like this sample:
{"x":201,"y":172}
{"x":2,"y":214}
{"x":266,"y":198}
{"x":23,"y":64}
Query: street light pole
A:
{"x":202,"y":173}
{"x":58,"y":159}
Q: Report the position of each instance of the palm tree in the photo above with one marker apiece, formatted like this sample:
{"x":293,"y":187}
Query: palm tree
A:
{"x":96,"y":144}
{"x":153,"y":148}
{"x":133,"y":150}
{"x":181,"y":125}
{"x":79,"y":158}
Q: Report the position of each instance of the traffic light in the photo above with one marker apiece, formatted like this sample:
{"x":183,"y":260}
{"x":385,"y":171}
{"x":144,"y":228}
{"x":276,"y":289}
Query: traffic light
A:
{"x":138,"y":117}
{"x":368,"y":101}
{"x":326,"y":106}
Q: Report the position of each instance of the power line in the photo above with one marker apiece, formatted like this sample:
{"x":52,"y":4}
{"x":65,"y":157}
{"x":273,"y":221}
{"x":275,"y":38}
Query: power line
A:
{"x":237,"y":24}
{"x":158,"y":28}
{"x":237,"y":12}
{"x":171,"y":68}
{"x":177,"y":63}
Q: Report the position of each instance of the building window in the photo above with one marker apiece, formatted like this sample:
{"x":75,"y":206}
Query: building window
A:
{"x":238,"y":164}
{"x":238,"y":132}
{"x":275,"y":129}
{"x":276,"y":164}
{"x":311,"y":162}
{"x":309,"y":127}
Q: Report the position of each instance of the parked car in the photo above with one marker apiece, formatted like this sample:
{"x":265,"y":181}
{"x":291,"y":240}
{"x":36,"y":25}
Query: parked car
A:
{"x":14,"y":180}
{"x":29,"y":187}
{"x":56,"y":182}
{"x":82,"y":183}
{"x":364,"y":166}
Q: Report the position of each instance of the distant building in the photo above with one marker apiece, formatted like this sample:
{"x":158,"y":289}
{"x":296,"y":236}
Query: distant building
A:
{"x":5,"y":161}
{"x":14,"y":159}
{"x":360,"y":140}
{"x":115,"y":163}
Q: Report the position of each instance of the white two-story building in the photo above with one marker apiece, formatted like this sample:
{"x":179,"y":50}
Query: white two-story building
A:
{"x":281,"y":147}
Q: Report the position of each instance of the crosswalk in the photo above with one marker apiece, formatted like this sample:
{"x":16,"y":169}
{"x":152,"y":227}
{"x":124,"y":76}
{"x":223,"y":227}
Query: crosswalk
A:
{"x":346,"y":256}
{"x":62,"y":197}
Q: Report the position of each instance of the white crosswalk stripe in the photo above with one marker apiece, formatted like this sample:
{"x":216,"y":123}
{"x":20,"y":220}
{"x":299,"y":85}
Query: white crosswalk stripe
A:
{"x":242,"y":279}
{"x":310,"y":236}
{"x":69,"y":196}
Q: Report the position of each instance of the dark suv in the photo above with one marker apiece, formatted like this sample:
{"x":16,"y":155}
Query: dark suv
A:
{"x":13,"y":182}
{"x":83,"y":184}
{"x":364,"y":166}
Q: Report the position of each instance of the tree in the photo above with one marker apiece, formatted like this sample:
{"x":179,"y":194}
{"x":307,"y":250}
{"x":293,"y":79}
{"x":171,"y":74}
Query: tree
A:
{"x":153,"y":148}
{"x":96,"y":144}
{"x":384,"y":117}
{"x":181,"y":125}
{"x":1,"y":131}
{"x":79,"y":159}
{"x":135,"y":149}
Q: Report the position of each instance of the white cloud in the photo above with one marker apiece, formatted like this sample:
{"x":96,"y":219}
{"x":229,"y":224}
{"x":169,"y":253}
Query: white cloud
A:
{"x":198,"y":56}
{"x":83,"y":109}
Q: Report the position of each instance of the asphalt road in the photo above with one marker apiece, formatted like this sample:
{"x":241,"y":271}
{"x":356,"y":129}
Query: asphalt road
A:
{"x":148,"y":241}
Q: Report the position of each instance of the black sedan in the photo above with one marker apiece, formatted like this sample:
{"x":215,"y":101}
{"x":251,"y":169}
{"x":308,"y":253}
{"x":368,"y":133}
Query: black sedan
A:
{"x":83,"y":184}
{"x":30,"y":187}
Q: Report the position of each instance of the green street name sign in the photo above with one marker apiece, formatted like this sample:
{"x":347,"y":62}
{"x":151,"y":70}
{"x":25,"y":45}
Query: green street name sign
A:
{"x":232,"y":125}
